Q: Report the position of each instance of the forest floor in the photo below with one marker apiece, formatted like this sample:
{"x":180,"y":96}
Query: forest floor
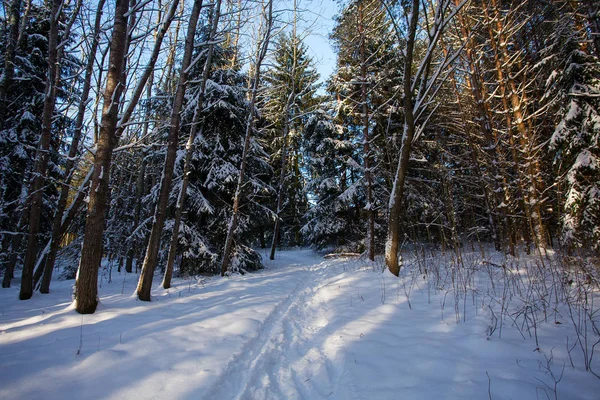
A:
{"x":305,"y":327}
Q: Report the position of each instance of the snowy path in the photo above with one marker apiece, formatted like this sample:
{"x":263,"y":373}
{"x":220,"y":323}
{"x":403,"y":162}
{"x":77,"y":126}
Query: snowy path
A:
{"x":269,"y":365}
{"x":304,"y":328}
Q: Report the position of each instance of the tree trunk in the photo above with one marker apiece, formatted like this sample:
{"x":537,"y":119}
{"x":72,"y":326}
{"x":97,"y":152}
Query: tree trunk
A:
{"x":139,"y":192}
{"x":513,"y":111}
{"x":71,"y":158}
{"x":281,"y":186}
{"x":393,"y":235}
{"x":366,"y":139}
{"x":42,"y":154}
{"x":492,"y":189}
{"x":189,"y":147}
{"x":262,"y":51}
{"x":286,"y":128}
{"x":86,"y":286}
{"x":145,"y":282}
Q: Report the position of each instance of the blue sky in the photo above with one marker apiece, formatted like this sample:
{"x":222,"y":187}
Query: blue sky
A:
{"x":320,"y":15}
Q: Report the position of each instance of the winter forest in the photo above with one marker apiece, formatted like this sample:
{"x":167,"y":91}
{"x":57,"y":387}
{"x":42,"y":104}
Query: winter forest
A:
{"x":183,"y":169}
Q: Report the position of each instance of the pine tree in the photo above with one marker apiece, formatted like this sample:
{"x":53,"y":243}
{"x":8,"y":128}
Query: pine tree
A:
{"x":151,"y":258}
{"x":333,"y":181}
{"x":365,"y":80}
{"x":289,"y":97}
{"x":229,"y":262}
{"x":20,"y":133}
{"x":573,"y":91}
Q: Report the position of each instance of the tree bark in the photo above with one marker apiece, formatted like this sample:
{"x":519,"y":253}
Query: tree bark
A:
{"x":189,"y":147}
{"x":286,"y":128}
{"x":71,"y":158}
{"x":42,"y":154}
{"x":393,"y":234}
{"x":86,"y":286}
{"x":150,"y":260}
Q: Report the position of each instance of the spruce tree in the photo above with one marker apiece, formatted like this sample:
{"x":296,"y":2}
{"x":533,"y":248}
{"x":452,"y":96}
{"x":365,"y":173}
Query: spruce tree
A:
{"x":573,"y":92}
{"x":288,"y":99}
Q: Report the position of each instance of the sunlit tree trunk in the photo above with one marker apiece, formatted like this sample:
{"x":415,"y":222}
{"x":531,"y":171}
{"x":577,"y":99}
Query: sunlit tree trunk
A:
{"x":71,"y":158}
{"x":86,"y":286}
{"x":189,"y":146}
{"x":151,"y":258}
{"x":392,"y":245}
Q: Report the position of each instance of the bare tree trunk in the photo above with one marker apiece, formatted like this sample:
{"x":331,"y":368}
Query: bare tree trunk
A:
{"x":262,"y":52}
{"x":86,"y":286}
{"x":148,"y":71}
{"x":286,"y":128}
{"x":44,"y":256}
{"x":145,"y":282}
{"x":167,"y":77}
{"x":15,"y":245}
{"x":189,"y":148}
{"x":42,"y":154}
{"x":393,"y":235}
{"x":366,"y":139}
{"x":236,"y":39}
{"x":71,"y":158}
{"x":140,"y":183}
{"x":513,"y":112}
{"x":281,"y":186}
{"x":139,"y":192}
{"x":492,"y":190}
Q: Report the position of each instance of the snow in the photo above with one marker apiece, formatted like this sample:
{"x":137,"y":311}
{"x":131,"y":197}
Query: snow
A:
{"x":304,"y":328}
{"x":585,"y":159}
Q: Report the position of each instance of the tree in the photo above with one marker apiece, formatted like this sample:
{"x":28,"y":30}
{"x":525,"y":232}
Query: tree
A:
{"x":573,"y":93}
{"x":86,"y":286}
{"x":214,"y":24}
{"x":58,"y":221}
{"x":332,"y":186}
{"x":19,"y":133}
{"x":42,"y":154}
{"x":420,"y":85}
{"x":145,"y":282}
{"x":289,"y":98}
{"x":366,"y":59}
{"x":261,"y":51}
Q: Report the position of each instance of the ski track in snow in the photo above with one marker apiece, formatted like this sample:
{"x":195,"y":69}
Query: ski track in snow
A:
{"x":304,"y":328}
{"x":263,"y":367}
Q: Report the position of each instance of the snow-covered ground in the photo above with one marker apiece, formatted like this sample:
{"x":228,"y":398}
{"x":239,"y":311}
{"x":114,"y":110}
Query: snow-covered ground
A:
{"x":304,"y":328}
